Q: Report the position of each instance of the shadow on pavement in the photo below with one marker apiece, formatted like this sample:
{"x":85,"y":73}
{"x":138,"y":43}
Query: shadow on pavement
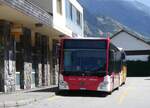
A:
{"x":147,"y":79}
{"x":54,"y":89}
{"x":82,"y":93}
{"x":138,"y":75}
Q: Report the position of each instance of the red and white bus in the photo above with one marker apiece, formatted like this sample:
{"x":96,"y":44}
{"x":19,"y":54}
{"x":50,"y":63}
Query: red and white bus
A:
{"x":92,"y":64}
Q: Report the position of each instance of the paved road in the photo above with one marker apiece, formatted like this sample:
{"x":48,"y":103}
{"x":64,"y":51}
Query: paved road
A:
{"x":134,"y":94}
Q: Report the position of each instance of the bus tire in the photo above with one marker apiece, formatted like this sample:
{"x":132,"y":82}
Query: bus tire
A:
{"x":109,"y":93}
{"x":117,"y":88}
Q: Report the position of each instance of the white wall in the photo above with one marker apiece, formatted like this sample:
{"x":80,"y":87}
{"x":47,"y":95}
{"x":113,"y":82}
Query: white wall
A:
{"x":61,"y":23}
{"x":128,"y":42}
{"x":124,"y":40}
{"x":138,"y":57}
{"x":72,"y":24}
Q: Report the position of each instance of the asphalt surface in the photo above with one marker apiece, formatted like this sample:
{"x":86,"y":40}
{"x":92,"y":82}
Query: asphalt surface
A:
{"x":134,"y":94}
{"x":25,"y":97}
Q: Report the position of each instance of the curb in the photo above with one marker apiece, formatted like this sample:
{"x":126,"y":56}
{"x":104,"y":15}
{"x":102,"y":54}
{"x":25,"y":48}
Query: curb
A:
{"x":37,"y":89}
{"x":23,"y":102}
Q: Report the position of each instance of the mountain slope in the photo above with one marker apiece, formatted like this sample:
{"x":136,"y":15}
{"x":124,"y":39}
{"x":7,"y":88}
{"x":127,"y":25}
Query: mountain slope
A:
{"x":132,"y":14}
{"x":99,"y":25}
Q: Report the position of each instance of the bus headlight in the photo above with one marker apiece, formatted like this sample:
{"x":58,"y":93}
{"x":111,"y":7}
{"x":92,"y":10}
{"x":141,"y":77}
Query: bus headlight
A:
{"x":105,"y":85}
{"x":62,"y":84}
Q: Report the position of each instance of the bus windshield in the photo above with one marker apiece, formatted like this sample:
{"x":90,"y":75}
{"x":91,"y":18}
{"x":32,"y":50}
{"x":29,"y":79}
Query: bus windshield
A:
{"x":84,"y":60}
{"x":84,"y":57}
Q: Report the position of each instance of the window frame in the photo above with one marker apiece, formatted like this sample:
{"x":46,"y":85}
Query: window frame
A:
{"x":59,"y":6}
{"x":78,"y":17}
{"x":70,"y":11}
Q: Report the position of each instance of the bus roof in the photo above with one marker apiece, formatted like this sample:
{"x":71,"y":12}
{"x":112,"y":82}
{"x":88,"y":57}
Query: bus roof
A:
{"x":88,"y":38}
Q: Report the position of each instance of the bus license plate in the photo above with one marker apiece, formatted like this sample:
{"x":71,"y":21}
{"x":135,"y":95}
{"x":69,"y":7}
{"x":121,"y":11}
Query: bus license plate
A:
{"x":82,"y":88}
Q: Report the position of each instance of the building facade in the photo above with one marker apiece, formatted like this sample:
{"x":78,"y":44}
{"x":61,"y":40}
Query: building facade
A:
{"x":136,"y":48}
{"x":71,"y":15}
{"x":29,"y":35}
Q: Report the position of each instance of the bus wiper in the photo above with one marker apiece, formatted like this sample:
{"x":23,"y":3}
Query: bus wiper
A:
{"x":67,"y":73}
{"x":101,"y":73}
{"x":98,"y":69}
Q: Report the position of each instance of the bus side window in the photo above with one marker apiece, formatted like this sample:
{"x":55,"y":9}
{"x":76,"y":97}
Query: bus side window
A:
{"x":118,"y":62}
{"x":111,"y":61}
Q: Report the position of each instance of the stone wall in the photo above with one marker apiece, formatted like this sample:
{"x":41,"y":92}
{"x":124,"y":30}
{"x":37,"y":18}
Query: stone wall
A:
{"x":26,"y":72}
{"x":48,"y":74}
{"x":55,"y":61}
{"x":7,"y":57}
{"x":41,"y":60}
{"x":27,"y":75}
{"x":38,"y":76}
{"x":56,"y":74}
{"x":10,"y":76}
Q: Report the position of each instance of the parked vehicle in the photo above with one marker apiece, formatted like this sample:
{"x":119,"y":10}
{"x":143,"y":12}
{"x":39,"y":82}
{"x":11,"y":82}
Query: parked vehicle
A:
{"x":92,"y":64}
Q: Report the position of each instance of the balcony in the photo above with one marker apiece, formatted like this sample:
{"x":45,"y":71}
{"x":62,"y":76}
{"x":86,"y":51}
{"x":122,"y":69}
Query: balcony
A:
{"x":29,"y":9}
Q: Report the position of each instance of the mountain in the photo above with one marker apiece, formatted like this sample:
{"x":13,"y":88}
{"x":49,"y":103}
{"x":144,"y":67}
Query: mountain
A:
{"x":132,"y":14}
{"x":99,"y":25}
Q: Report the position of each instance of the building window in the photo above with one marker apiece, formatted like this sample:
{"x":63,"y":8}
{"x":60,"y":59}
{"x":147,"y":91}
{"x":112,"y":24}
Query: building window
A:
{"x":78,"y":18}
{"x":73,"y":14}
{"x":59,"y":6}
{"x":70,"y":10}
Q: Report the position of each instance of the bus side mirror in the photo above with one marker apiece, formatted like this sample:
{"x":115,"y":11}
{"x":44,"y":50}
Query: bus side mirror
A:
{"x":122,"y":56}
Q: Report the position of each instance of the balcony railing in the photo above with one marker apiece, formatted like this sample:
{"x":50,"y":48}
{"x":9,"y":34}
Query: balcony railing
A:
{"x":31,"y":9}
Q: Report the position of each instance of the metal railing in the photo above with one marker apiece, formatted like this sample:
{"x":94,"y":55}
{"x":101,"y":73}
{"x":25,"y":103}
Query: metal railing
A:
{"x":31,"y":9}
